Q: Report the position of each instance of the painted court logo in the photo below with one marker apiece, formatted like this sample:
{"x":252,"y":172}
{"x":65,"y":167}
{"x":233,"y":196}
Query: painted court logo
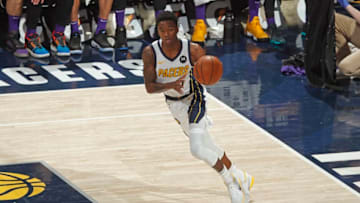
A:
{"x":14,"y":186}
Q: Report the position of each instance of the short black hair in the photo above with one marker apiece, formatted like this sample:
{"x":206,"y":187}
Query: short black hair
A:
{"x":166,"y":15}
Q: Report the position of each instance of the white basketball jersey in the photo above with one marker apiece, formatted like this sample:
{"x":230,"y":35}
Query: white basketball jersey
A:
{"x":169,"y":70}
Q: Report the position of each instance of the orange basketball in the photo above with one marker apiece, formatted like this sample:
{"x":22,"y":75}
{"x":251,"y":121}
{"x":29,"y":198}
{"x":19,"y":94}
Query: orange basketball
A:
{"x":208,"y":70}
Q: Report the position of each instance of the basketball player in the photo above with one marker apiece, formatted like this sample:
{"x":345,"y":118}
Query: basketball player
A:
{"x":168,"y":66}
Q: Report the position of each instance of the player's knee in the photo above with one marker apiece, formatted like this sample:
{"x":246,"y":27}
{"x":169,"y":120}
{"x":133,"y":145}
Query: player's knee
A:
{"x":196,"y":142}
{"x":195,"y":150}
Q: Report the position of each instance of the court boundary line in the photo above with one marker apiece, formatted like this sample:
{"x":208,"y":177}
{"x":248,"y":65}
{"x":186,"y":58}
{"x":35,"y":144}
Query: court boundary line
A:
{"x":92,"y":118}
{"x":72,"y":89}
{"x":286,"y":146}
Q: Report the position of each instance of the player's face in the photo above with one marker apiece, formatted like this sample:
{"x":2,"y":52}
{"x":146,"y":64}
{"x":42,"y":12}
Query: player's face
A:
{"x":167,"y":31}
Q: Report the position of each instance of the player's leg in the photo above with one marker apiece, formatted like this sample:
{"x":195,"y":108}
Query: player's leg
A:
{"x":120,"y":34}
{"x":63,"y":12}
{"x":202,"y":146}
{"x":245,"y":180}
{"x":276,"y":37}
{"x":13,"y":44}
{"x":32,"y":39}
{"x":100,"y":39}
{"x":202,"y":151}
{"x":253,"y":28}
{"x":200,"y":28}
{"x":195,"y":131}
{"x":75,"y":40}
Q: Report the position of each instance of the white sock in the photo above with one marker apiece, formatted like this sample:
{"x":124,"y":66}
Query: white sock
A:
{"x":226,"y":176}
{"x":232,"y":169}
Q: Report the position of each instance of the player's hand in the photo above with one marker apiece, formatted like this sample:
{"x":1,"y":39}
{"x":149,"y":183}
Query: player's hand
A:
{"x":37,"y":2}
{"x":179,"y":84}
{"x":343,"y":3}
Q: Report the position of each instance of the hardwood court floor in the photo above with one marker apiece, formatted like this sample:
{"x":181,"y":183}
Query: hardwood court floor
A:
{"x":119,"y":144}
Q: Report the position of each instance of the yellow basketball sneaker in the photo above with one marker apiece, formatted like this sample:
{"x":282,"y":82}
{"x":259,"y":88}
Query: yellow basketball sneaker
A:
{"x":253,"y":29}
{"x":245,"y":181}
{"x":200,"y":31}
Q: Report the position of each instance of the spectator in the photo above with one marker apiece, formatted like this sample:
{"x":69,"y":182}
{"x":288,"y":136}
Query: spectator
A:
{"x":347,"y":30}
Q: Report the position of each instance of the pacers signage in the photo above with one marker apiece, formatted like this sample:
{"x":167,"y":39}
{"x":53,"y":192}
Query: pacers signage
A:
{"x":73,"y":75}
{"x":37,"y":183}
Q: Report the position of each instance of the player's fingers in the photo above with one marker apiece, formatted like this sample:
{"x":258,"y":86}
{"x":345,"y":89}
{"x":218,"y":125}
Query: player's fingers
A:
{"x":182,"y":77}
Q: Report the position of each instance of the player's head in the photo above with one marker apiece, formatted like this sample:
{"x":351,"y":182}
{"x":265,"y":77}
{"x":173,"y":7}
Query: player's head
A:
{"x":167,"y":26}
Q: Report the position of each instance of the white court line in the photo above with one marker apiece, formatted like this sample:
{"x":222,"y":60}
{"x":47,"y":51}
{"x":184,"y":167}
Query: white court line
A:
{"x":69,"y":90}
{"x":92,"y":118}
{"x":357,"y":184}
{"x":347,"y":171}
{"x":287,"y":147}
{"x":342,"y":156}
{"x":82,"y":119}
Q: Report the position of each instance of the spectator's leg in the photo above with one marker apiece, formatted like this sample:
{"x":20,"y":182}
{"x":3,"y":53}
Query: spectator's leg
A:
{"x":75,"y":39}
{"x":32,"y":39}
{"x":276,"y":36}
{"x":100,"y":39}
{"x":253,"y":28}
{"x":159,"y":6}
{"x":13,"y":44}
{"x":104,"y":8}
{"x":120,"y":34}
{"x":63,"y":17}
{"x":75,"y":16}
{"x":237,"y":6}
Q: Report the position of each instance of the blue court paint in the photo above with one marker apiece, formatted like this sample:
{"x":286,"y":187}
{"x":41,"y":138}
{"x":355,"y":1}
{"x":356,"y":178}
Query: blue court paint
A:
{"x":309,"y":120}
{"x":41,"y":184}
{"x":91,"y":69}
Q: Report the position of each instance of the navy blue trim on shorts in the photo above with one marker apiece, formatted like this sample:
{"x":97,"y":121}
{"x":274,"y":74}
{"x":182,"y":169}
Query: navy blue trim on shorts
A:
{"x":197,"y":107}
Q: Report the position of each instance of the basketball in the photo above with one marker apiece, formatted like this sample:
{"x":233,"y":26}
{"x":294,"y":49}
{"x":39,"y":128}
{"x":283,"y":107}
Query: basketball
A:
{"x":208,"y":70}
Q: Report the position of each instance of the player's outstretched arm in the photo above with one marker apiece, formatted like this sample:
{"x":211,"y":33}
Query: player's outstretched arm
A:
{"x":150,"y":75}
{"x":196,"y":52}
